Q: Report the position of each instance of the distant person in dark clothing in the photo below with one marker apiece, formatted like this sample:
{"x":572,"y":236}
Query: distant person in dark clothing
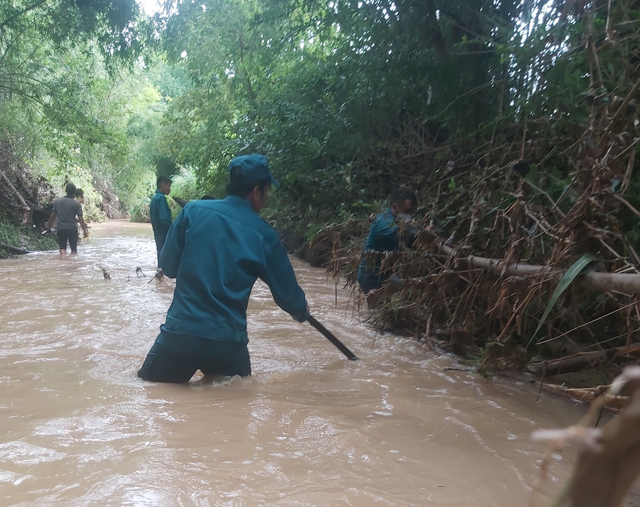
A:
{"x":160,"y":213}
{"x":66,"y":209}
{"x":384,"y":237}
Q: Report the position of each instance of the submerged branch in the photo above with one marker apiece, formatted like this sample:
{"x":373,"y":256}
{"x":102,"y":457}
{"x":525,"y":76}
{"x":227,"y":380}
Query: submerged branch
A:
{"x":13,"y":249}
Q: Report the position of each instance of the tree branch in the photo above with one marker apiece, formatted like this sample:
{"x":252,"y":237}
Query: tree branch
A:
{"x":22,"y":12}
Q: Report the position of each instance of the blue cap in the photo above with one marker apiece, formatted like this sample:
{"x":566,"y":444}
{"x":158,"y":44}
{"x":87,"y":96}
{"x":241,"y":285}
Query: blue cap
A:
{"x":254,"y":168}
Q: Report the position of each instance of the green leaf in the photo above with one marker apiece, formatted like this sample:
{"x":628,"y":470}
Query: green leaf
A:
{"x":570,"y":275}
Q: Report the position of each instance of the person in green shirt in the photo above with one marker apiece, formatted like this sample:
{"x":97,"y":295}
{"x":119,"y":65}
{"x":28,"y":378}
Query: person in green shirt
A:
{"x":216,"y":250}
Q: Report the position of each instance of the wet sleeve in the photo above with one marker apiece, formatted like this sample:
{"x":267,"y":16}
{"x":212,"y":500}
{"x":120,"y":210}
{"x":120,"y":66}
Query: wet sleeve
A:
{"x":278,"y":274}
{"x":174,"y":244}
{"x":79,"y":210}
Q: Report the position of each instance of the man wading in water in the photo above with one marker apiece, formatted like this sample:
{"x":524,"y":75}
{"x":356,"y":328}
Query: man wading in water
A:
{"x":216,"y":249}
{"x":66,"y":209}
{"x":384,"y":237}
{"x":160,"y":214}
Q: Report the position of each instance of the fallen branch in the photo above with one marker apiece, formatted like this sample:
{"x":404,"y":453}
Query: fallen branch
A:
{"x":605,"y":282}
{"x":608,"y":460}
{"x":13,"y":249}
{"x":26,"y":210}
{"x":627,"y":204}
{"x":586,"y":323}
{"x":612,"y":402}
{"x":24,"y":204}
{"x":580,"y":361}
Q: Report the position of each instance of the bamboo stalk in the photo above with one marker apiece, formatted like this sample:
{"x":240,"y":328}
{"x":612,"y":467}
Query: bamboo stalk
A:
{"x":612,"y":403}
{"x":579,"y":361}
{"x":627,"y":204}
{"x":622,"y":282}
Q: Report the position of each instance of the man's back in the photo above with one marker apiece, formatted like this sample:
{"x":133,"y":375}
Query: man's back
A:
{"x":217,"y":250}
{"x":66,"y":209}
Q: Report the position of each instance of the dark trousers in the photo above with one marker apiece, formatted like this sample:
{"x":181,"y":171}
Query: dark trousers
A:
{"x":70,"y":235}
{"x":160,"y":239}
{"x":166,"y":363}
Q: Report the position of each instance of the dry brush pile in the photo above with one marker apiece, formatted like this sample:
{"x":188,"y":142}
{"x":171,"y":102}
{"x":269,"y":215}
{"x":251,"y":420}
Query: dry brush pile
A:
{"x":536,"y":192}
{"x":21,"y":193}
{"x":494,"y":212}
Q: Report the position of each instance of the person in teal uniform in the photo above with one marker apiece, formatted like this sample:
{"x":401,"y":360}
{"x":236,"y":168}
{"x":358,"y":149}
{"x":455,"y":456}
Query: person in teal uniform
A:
{"x":216,"y":250}
{"x":384,"y":237}
{"x":160,"y":213}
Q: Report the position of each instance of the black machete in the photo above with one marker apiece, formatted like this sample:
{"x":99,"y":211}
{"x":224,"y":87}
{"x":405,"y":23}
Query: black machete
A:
{"x":331,"y":338}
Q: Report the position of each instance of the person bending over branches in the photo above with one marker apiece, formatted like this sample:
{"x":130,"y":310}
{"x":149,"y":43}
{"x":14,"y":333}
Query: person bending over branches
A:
{"x":384,"y":237}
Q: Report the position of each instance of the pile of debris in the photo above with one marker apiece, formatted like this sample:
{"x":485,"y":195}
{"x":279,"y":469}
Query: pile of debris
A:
{"x":26,"y":199}
{"x":498,"y":232}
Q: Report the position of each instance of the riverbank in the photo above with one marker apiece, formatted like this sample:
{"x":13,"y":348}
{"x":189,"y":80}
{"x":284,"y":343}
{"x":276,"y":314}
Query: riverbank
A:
{"x":16,"y":237}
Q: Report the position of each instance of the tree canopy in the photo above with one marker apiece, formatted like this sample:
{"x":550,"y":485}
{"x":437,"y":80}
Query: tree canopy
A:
{"x":338,"y":93}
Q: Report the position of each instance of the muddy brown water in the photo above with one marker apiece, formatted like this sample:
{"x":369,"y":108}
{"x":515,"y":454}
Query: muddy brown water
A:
{"x":78,"y":428}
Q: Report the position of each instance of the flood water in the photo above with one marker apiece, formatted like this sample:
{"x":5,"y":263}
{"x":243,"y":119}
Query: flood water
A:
{"x":78,"y":428}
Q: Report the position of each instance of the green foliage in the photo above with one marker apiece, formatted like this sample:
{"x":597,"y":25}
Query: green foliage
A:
{"x":184,"y":184}
{"x":47,"y":54}
{"x":569,"y":276}
{"x":139,"y":212}
{"x":70,"y":81}
{"x":23,"y":237}
{"x":325,"y":89}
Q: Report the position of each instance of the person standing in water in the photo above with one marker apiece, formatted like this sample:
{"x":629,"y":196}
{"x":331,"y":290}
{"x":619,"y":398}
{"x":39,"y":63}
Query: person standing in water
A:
{"x":384,"y":237}
{"x":160,"y":214}
{"x":66,"y":209}
{"x":216,"y":250}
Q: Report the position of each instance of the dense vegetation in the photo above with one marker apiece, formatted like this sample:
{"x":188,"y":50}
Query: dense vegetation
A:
{"x":515,"y":122}
{"x":82,"y":93}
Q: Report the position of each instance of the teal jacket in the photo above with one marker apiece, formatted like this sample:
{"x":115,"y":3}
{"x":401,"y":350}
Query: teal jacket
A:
{"x":216,"y":250}
{"x":160,"y":214}
{"x":383,"y":237}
